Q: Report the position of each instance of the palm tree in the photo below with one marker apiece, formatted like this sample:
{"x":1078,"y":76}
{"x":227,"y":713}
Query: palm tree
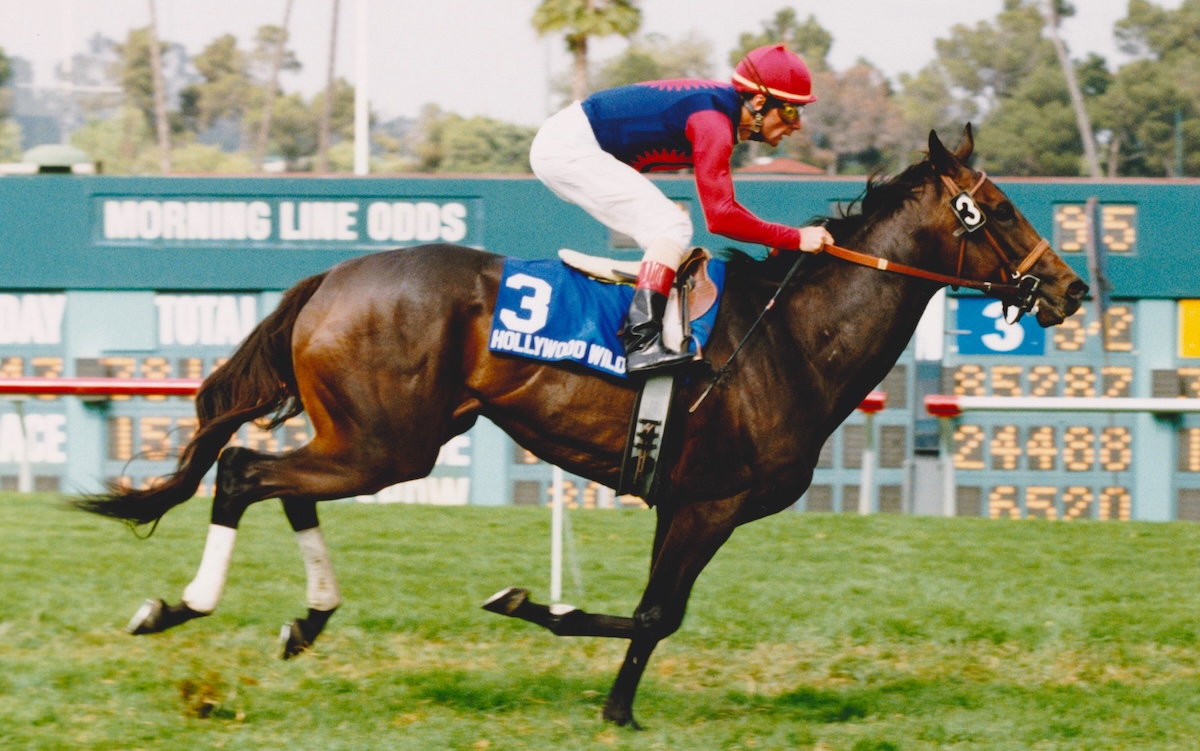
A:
{"x":327,"y":109}
{"x":1053,"y":13}
{"x":581,"y":19}
{"x":264,"y":130}
{"x":160,"y":95}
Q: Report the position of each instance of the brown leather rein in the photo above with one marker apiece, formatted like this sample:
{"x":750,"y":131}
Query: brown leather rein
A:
{"x":1021,"y":290}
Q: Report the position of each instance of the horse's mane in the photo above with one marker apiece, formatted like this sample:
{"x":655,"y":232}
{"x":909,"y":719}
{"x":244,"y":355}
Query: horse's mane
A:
{"x":882,"y":197}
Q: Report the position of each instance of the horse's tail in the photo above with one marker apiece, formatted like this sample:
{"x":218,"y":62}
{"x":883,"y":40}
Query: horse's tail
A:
{"x":257,"y":381}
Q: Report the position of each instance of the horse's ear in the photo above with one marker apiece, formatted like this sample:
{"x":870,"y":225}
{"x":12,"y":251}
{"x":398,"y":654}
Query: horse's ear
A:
{"x":939,"y":155}
{"x":966,"y":146}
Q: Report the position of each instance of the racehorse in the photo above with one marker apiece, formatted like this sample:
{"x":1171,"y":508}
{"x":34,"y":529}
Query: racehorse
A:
{"x":388,"y":354}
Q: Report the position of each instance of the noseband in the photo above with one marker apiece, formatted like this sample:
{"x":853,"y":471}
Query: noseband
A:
{"x":1017,"y":287}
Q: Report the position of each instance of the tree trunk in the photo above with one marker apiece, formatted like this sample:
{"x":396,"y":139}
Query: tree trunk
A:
{"x":327,"y":110}
{"x":264,"y":128}
{"x":1068,"y":69}
{"x":160,"y":95}
{"x":579,"y":73}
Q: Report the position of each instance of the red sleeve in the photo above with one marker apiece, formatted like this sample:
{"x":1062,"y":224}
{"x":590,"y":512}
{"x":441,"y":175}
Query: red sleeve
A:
{"x":712,"y":146}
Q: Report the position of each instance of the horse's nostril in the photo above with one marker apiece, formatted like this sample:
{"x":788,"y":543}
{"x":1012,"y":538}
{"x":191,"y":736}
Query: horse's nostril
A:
{"x":1077,"y":289}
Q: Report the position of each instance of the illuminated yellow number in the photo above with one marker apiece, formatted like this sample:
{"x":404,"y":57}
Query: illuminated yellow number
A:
{"x":1079,"y":449}
{"x":119,"y":367}
{"x":570,"y":495}
{"x":1191,"y":381}
{"x":968,"y":447}
{"x":191,"y":367}
{"x":1118,"y":329}
{"x":1189,"y":454}
{"x":47,"y":367}
{"x":1002,"y":501}
{"x":1041,"y":448}
{"x":1006,"y":380}
{"x":1070,"y":227}
{"x":1079,"y":381}
{"x":1071,"y":334}
{"x":1077,"y":503}
{"x":1039,"y":502}
{"x":1117,"y":380}
{"x":156,"y":438}
{"x":1005,"y":448}
{"x":1114,"y":504}
{"x":968,"y":380}
{"x":260,"y":440}
{"x":1118,"y":230}
{"x":185,"y":428}
{"x":1116,"y":449}
{"x":120,"y":438}
{"x":157,"y":368}
{"x":1043,"y":380}
{"x":12,"y":367}
{"x":296,"y":433}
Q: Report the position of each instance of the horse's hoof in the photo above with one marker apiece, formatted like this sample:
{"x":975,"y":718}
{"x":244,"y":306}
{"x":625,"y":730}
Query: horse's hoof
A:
{"x":506,"y":601}
{"x":291,"y":638}
{"x":622,"y":718}
{"x":147,"y":619}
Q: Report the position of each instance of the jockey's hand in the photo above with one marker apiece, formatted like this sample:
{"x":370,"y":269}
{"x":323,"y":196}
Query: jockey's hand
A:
{"x":813,"y":239}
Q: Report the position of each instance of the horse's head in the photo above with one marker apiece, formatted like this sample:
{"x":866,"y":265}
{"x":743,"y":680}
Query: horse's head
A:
{"x":988,"y":239}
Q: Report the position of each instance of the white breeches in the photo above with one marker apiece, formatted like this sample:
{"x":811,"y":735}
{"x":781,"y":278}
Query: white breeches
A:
{"x":567,"y":158}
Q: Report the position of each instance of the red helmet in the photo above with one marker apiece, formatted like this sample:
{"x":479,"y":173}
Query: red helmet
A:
{"x":777,"y":72}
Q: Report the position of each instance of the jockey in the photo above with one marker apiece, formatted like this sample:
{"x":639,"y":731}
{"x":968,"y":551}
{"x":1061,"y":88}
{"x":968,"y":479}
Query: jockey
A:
{"x":593,"y":153}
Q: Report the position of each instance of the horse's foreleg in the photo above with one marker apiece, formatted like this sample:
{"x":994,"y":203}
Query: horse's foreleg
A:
{"x":323,"y":594}
{"x":692,"y":537}
{"x":561,"y":620}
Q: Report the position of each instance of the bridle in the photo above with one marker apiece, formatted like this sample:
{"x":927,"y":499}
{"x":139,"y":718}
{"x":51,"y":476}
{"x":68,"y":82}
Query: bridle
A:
{"x":1017,"y":287}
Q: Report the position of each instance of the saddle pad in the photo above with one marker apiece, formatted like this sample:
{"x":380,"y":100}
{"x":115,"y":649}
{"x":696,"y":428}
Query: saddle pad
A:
{"x":548,"y":311}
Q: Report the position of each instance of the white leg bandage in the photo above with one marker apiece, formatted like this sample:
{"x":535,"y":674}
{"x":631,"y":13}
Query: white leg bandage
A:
{"x":203,"y":594}
{"x":323,"y":591}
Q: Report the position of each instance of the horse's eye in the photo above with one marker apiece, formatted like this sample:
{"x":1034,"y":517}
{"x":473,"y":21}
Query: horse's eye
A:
{"x":1004,"y":211}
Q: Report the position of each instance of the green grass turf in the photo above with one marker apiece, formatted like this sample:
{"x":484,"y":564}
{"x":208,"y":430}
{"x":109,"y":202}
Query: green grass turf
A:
{"x":808,"y":631}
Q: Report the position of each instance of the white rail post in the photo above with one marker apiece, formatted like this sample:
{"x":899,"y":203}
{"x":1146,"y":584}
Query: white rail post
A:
{"x":867,"y":492}
{"x":556,"y":536}
{"x":25,"y":469}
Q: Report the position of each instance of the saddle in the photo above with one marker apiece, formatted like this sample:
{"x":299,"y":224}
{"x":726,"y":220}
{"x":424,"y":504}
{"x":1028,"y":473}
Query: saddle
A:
{"x":694,"y":289}
{"x":694,"y":293}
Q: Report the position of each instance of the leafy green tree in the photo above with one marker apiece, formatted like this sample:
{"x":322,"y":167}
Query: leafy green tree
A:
{"x":5,"y":74}
{"x":482,"y":144}
{"x":224,"y":90}
{"x":928,"y":102}
{"x":654,"y":57}
{"x":1007,"y":77}
{"x":293,"y":130}
{"x":808,"y":39}
{"x":580,"y":20}
{"x":1153,"y":105}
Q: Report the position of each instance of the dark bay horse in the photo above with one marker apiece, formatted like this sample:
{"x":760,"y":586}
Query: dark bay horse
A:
{"x":388,"y":354}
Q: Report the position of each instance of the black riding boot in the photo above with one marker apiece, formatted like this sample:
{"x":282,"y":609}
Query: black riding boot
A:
{"x":644,"y":348}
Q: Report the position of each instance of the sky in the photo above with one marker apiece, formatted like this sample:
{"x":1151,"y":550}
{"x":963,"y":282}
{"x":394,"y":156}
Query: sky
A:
{"x":483,"y":57}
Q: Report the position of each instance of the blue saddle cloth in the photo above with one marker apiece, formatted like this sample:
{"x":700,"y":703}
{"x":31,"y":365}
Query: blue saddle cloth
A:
{"x":546,"y":310}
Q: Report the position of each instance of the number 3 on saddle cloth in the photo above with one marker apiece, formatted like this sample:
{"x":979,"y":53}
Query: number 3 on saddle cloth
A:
{"x":549,"y":310}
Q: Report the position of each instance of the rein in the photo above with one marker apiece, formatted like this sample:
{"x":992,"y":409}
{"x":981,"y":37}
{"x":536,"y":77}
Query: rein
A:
{"x":1022,"y":291}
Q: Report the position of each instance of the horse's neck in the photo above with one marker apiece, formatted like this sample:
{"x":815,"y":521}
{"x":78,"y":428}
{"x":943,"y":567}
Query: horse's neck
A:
{"x":867,"y":316}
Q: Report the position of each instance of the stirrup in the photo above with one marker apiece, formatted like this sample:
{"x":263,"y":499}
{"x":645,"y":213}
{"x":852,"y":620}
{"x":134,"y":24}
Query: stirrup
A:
{"x":655,"y":357}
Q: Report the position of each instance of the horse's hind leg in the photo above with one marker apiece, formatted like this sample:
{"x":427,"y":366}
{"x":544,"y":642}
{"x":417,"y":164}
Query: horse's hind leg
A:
{"x":201,"y":596}
{"x":245,"y":477}
{"x":323,"y":594}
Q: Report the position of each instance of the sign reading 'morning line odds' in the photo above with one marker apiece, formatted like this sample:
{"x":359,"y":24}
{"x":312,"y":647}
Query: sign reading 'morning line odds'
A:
{"x":201,"y":221}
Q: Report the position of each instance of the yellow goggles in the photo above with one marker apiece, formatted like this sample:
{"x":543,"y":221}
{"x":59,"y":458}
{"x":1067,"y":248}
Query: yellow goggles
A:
{"x":790,"y":113}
